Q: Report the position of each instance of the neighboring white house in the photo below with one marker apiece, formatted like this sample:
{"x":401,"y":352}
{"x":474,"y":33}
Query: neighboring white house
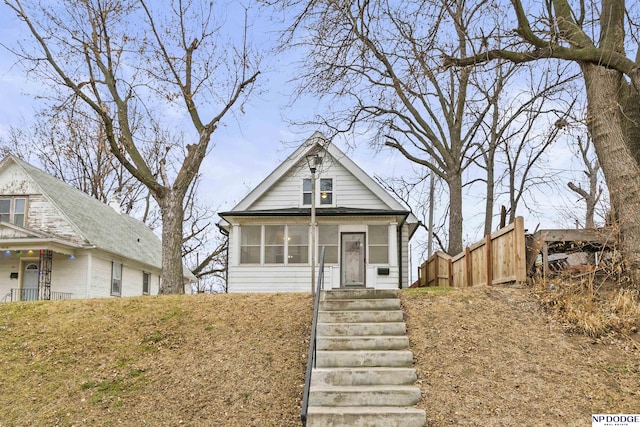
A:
{"x":57,"y":242}
{"x":364,"y":230}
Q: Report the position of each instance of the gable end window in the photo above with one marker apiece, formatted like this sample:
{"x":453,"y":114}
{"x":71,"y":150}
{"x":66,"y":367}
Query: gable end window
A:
{"x":326,"y":191}
{"x":13,"y":210}
{"x":306,"y":191}
{"x":116,"y":279}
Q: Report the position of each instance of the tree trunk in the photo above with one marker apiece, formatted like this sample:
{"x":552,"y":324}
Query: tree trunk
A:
{"x":488,"y":212}
{"x":172,"y":217}
{"x":606,"y":123}
{"x":455,"y":213}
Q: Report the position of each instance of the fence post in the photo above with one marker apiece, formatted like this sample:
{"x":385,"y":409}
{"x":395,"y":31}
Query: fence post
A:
{"x":520,"y":251}
{"x":467,"y":267}
{"x":488,"y":259}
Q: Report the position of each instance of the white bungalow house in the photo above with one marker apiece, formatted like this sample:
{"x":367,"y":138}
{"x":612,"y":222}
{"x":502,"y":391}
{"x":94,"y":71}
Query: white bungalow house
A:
{"x":364,"y":230}
{"x":57,"y":242}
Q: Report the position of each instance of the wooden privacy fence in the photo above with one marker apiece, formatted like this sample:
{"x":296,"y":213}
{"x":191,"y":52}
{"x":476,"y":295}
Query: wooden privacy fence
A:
{"x":498,"y":258}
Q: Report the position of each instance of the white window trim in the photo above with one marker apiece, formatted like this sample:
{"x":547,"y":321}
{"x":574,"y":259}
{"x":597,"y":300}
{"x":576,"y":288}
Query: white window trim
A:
{"x":148,"y":275}
{"x":113,"y":264}
{"x":12,"y":209}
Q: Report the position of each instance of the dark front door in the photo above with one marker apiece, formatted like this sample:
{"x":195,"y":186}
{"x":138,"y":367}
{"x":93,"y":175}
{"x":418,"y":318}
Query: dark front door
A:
{"x":352,"y":262}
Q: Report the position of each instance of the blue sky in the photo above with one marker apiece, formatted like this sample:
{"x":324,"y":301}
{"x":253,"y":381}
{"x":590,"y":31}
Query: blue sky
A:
{"x":251,"y":145}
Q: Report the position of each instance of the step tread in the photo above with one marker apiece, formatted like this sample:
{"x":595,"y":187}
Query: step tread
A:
{"x":363,"y":388}
{"x":363,"y":409}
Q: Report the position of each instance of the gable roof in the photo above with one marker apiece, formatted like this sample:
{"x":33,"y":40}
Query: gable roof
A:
{"x":315,"y":142}
{"x":98,"y":224}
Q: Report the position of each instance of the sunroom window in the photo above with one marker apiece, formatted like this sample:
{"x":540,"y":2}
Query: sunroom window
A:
{"x":274,"y":244}
{"x":378,"y":244}
{"x":298,"y":244}
{"x":250,"y":241}
{"x":328,"y":237}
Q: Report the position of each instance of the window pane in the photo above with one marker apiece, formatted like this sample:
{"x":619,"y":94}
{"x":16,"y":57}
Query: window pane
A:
{"x":378,"y":234}
{"x":5,"y":206}
{"x":116,"y":278}
{"x":18,"y":219}
{"x":326,"y":198}
{"x":331,"y":254}
{"x":116,"y":270}
{"x":250,"y":255}
{"x":306,"y":198}
{"x":298,"y":242}
{"x":146,"y":277}
{"x":326,"y":184}
{"x":298,"y":234}
{"x":378,"y":254}
{"x":326,"y":191}
{"x":298,"y":254}
{"x":274,"y":235}
{"x":306,"y":185}
{"x":274,"y":254}
{"x":19,"y":206}
{"x":250,"y":235}
{"x":274,"y":244}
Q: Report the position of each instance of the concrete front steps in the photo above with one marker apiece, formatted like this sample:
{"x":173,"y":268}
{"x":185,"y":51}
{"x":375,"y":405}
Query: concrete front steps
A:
{"x":363,"y":375}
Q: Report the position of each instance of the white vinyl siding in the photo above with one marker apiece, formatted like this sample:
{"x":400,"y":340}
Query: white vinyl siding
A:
{"x":347,"y":190}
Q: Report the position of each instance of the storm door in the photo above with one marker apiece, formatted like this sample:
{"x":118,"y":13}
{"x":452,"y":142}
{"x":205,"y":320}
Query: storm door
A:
{"x":352,"y":261}
{"x":30,"y":282}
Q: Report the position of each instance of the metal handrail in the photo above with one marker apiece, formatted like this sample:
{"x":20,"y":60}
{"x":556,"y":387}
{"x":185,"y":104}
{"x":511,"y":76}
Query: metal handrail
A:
{"x":311,"y":357}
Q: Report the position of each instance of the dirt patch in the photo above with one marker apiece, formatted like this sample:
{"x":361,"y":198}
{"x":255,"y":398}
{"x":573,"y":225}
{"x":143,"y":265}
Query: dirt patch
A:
{"x":494,"y":357}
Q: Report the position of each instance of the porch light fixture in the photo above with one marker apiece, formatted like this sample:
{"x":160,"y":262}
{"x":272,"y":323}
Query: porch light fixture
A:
{"x":313,"y":161}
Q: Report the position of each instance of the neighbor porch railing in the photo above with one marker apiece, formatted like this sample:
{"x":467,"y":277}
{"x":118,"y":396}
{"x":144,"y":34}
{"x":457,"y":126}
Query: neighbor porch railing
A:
{"x":33,"y":294}
{"x":311,"y":357}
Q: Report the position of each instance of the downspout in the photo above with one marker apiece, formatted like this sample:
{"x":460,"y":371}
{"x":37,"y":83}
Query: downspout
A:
{"x":399,"y":231}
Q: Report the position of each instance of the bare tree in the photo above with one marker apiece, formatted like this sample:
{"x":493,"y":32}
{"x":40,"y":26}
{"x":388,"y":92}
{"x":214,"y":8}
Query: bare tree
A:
{"x":592,"y":194}
{"x":595,"y":36}
{"x":125,"y":57}
{"x":382,"y":59}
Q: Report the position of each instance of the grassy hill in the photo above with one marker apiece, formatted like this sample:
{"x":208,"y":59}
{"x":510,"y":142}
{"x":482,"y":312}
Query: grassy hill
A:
{"x":485,"y":356}
{"x":205,"y":360}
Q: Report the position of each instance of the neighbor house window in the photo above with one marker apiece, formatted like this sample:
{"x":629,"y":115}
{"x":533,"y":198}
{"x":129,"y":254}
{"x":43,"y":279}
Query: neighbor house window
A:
{"x":274,"y":244}
{"x":378,"y":244}
{"x":146,"y":279}
{"x":328,"y":237}
{"x":298,"y":244}
{"x":250,"y":241}
{"x":13,"y":210}
{"x":326,"y":191}
{"x":116,"y":278}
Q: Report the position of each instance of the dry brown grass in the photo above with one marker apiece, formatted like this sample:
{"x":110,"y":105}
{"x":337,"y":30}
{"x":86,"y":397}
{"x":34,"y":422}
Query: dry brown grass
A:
{"x":592,"y":305}
{"x":491,"y":356}
{"x":206,"y":360}
{"x":485,"y":357}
